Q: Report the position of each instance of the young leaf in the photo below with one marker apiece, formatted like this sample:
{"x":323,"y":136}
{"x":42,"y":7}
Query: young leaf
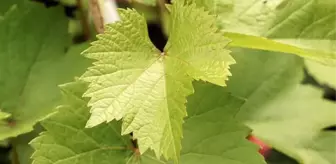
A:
{"x":325,"y":75}
{"x":207,"y":132}
{"x":295,"y":26}
{"x":133,"y":80}
{"x":32,"y":64}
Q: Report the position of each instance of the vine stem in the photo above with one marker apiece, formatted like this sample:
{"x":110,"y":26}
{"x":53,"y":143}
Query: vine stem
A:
{"x":98,"y":19}
{"x":14,"y":154}
{"x":84,"y":20}
{"x":103,"y":12}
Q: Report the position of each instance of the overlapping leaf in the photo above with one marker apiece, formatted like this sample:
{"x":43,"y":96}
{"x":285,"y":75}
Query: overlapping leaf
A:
{"x":320,"y":150}
{"x":33,"y":63}
{"x":302,"y":27}
{"x":324,"y":75}
{"x":282,"y":112}
{"x":305,"y":119}
{"x":211,"y":134}
{"x":133,"y":80}
{"x":67,"y":140}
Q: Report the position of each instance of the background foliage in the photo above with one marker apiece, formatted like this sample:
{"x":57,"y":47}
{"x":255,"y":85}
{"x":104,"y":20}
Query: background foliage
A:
{"x":280,"y":53}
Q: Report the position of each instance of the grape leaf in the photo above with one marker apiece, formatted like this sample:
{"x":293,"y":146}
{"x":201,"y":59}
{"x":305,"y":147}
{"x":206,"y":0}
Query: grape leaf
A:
{"x":263,"y":71}
{"x":207,"y":132}
{"x":320,"y":150}
{"x":305,"y":122}
{"x":133,"y":80}
{"x":212,"y":134}
{"x":323,"y":74}
{"x":66,"y":139}
{"x":33,"y":63}
{"x":276,"y":101}
{"x":290,"y":26}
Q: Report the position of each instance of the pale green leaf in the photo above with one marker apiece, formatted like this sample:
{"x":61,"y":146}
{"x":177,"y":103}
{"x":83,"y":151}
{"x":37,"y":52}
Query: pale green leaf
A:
{"x":32,"y":64}
{"x":298,"y":25}
{"x":211,"y":134}
{"x":133,"y":80}
{"x":324,"y":56}
{"x":282,"y":112}
{"x":323,"y":74}
{"x":199,"y":44}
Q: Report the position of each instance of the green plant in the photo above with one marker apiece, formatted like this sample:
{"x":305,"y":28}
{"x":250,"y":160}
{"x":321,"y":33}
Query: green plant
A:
{"x":230,"y":69}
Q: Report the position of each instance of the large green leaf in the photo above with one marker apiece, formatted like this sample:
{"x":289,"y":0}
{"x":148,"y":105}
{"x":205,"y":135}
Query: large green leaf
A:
{"x":32,"y":64}
{"x":133,"y":80}
{"x":68,"y":141}
{"x":320,"y":150}
{"x":325,"y":75}
{"x":6,"y":5}
{"x":211,"y":134}
{"x":263,"y":72}
{"x":297,"y":109}
{"x":282,"y":112}
{"x":302,"y":27}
